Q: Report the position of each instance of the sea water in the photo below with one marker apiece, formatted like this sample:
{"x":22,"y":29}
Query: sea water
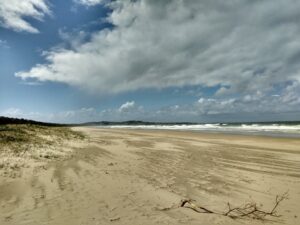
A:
{"x":286,"y":129}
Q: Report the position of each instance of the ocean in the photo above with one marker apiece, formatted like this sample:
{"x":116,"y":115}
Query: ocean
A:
{"x":280,"y":129}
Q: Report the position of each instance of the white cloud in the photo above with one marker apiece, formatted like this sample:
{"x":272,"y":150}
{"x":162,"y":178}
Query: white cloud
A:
{"x":71,"y":116}
{"x":70,"y":39}
{"x":75,"y":116}
{"x":127,"y":111}
{"x":223,"y":91}
{"x":244,"y":46}
{"x":287,"y":101}
{"x":12,"y":13}
{"x":127,"y":106}
{"x":89,"y":2}
{"x":12,"y":112}
{"x":256,"y":106}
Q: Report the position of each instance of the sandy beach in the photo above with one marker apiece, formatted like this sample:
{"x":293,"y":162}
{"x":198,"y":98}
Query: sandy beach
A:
{"x":138,"y":177}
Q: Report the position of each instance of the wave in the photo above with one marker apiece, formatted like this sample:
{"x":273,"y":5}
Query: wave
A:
{"x":231,"y":128}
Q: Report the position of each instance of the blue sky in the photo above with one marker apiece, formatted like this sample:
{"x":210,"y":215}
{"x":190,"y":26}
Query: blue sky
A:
{"x":199,"y":61}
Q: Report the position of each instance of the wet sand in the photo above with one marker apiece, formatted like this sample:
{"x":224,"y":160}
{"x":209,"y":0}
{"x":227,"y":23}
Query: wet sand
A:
{"x":129,"y":176}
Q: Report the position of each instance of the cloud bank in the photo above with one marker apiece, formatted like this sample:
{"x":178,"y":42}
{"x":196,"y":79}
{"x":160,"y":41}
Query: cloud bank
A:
{"x":12,"y":13}
{"x":255,"y":107}
{"x":244,"y":45}
{"x":249,"y":49}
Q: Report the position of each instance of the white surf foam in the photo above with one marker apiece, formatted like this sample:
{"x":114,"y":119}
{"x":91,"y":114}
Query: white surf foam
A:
{"x":243,"y":128}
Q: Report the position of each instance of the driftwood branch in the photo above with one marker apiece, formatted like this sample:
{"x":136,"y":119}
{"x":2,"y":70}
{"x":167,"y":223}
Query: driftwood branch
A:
{"x":249,"y":210}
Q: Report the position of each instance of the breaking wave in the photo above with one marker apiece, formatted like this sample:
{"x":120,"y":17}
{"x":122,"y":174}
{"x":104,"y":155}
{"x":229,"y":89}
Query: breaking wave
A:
{"x":285,"y":129}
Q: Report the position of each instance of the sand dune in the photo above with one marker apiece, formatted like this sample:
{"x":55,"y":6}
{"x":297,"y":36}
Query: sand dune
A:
{"x":129,"y":176}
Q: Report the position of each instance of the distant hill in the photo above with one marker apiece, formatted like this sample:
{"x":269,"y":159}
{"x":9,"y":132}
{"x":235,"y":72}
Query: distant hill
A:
{"x":8,"y":120}
{"x":138,"y":122}
{"x":131,"y":123}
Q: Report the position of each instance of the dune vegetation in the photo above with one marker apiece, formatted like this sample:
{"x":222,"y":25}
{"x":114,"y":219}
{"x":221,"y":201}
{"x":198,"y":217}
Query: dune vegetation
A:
{"x":21,"y":144}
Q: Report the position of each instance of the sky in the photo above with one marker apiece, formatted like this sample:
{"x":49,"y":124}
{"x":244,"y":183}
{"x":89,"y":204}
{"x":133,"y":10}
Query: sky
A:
{"x":164,"y":61}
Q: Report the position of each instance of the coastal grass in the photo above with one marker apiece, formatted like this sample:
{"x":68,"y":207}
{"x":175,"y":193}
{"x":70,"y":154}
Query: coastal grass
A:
{"x":23,"y":144}
{"x":17,"y":138}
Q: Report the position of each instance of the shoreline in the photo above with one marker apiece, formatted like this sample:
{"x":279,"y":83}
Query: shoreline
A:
{"x":215,"y":132}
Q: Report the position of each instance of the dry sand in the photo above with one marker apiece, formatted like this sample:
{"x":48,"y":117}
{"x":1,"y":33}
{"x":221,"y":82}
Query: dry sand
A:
{"x":127,"y":176}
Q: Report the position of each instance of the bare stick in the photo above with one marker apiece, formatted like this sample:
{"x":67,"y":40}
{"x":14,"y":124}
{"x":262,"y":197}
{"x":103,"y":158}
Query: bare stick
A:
{"x":249,"y":210}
